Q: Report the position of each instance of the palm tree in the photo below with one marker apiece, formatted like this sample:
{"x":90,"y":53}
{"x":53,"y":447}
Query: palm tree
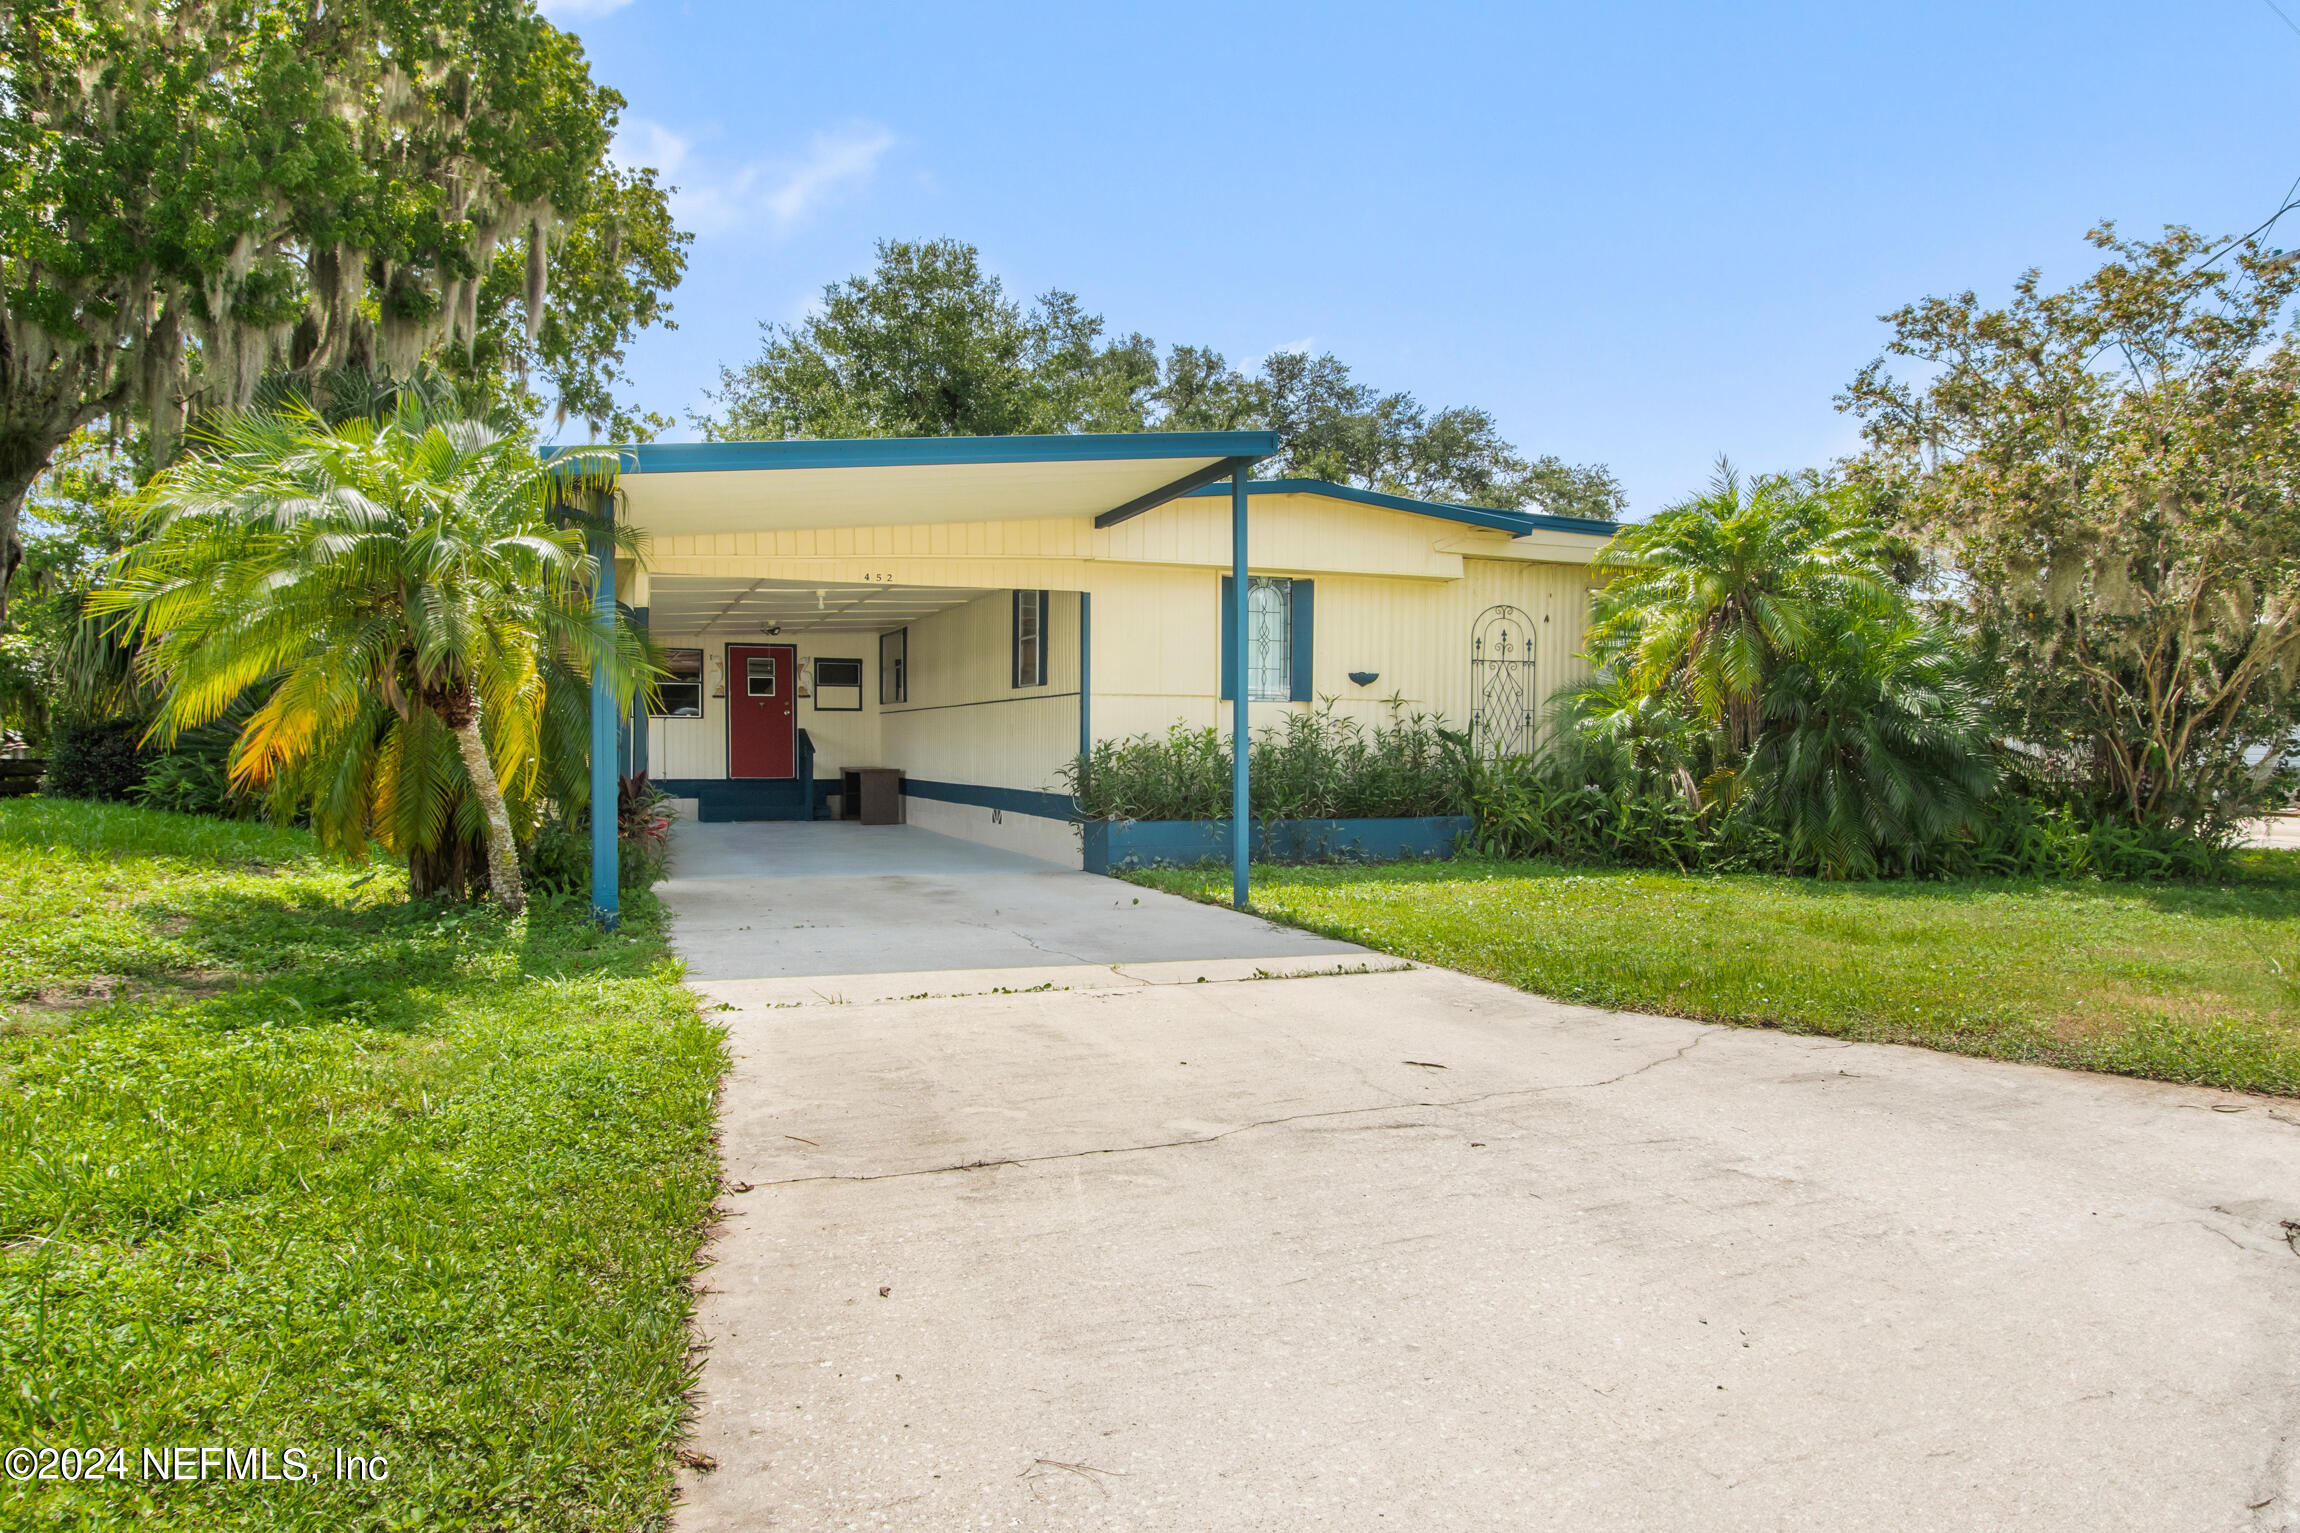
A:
{"x":396,"y":589}
{"x":1715,"y":590}
{"x":1875,"y":748}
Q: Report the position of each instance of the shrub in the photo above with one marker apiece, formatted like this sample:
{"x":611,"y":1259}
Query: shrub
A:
{"x":557,"y":858}
{"x":192,"y":782}
{"x":1320,"y":765}
{"x":2022,"y":834}
{"x":95,"y":758}
{"x":1874,"y":752}
{"x":1576,"y":805}
{"x":1567,"y":805}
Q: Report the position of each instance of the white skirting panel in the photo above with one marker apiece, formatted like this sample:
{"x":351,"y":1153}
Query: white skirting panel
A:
{"x":1032,"y":835}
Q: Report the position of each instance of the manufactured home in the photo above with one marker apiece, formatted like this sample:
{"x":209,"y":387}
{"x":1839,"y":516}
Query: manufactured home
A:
{"x":971,"y":611}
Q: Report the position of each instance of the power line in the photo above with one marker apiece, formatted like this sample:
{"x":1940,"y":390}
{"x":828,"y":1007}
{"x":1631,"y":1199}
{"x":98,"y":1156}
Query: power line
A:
{"x":2280,"y":16}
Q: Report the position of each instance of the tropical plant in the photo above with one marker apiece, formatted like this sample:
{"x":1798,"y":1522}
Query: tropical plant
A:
{"x":1707,"y":597}
{"x":1760,"y":664}
{"x":193,"y":782}
{"x":2109,"y":480}
{"x":1875,"y":751}
{"x":402,"y":590}
{"x":557,"y":858}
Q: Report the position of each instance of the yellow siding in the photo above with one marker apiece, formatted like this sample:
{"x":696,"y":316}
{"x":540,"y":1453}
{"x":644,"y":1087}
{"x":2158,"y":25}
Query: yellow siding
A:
{"x":964,"y":720}
{"x":1396,"y":594}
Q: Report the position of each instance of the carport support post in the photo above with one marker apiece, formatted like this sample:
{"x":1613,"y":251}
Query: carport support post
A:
{"x":1241,"y":797}
{"x":1085,"y":686}
{"x":606,"y":897}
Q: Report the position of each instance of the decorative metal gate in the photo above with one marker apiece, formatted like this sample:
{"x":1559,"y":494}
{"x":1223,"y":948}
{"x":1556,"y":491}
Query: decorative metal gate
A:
{"x":1501,"y":697}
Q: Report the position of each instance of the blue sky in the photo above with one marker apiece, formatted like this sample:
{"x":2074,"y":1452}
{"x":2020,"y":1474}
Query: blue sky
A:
{"x":1642,"y":234}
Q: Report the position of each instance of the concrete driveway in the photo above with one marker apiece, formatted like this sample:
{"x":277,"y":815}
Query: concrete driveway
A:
{"x":1403,"y":1248}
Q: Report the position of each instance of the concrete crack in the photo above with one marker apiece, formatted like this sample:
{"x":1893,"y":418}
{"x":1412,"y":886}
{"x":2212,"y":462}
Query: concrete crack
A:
{"x":1641,"y":1069}
{"x":1447,"y":1105}
{"x":1033,"y":942}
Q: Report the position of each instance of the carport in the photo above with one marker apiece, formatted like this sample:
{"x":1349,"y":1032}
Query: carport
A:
{"x":800,"y":489}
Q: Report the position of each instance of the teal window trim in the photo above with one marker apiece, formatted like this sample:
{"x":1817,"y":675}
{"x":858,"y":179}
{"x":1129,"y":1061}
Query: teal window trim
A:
{"x":1300,"y":638}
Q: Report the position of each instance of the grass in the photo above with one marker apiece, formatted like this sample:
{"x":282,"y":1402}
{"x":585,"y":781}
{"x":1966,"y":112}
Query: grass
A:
{"x":2195,"y":983}
{"x":286,"y":1162}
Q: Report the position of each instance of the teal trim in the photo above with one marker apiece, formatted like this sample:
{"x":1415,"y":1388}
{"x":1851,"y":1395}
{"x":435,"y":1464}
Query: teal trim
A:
{"x":606,"y":900}
{"x":1241,"y":732}
{"x":911,"y":451}
{"x":1053,"y":806}
{"x":1516,"y":523}
{"x":1229,"y":639}
{"x":1188,"y":484}
{"x":1124,"y":844}
{"x":1301,"y":639}
{"x":730,"y":800}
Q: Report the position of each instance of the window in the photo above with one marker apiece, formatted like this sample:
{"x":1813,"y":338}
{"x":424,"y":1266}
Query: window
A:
{"x":893,"y":666}
{"x":761,"y":675}
{"x":680,"y":694}
{"x":1281,"y":621}
{"x":838,"y":686}
{"x":1269,"y":638}
{"x":1030,"y":638}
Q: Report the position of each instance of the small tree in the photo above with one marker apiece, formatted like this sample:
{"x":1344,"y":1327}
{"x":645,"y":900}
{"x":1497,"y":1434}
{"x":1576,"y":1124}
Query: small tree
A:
{"x":1710,"y":595}
{"x":2109,"y":479}
{"x":400,"y":592}
{"x":1755,"y":650}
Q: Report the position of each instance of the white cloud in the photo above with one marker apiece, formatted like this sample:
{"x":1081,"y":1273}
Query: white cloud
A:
{"x":782,"y":193}
{"x":650,"y":144}
{"x":570,"y":10}
{"x":834,"y":162}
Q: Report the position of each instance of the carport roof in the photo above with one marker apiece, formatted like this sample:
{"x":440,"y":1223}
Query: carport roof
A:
{"x":683,"y":488}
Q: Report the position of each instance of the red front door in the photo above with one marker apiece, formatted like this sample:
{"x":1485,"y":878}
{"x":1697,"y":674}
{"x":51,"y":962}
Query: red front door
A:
{"x":762,"y":680}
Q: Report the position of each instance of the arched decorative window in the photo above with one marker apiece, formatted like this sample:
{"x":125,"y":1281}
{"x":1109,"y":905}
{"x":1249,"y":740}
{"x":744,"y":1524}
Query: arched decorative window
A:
{"x":1501,"y":694}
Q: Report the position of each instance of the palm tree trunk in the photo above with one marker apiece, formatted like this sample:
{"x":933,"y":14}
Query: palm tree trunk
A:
{"x":502,"y":850}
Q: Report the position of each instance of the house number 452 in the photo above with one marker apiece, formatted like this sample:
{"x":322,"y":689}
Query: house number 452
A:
{"x":878,"y":579}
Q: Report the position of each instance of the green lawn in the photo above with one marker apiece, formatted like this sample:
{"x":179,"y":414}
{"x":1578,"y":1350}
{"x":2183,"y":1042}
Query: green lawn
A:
{"x":2178,"y":982}
{"x":287,"y":1163}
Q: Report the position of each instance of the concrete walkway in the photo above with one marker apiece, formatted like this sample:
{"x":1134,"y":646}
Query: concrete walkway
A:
{"x":1407,"y":1249}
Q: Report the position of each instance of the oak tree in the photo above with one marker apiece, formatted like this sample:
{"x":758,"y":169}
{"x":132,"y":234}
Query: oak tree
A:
{"x":195,"y":194}
{"x":2109,"y":479}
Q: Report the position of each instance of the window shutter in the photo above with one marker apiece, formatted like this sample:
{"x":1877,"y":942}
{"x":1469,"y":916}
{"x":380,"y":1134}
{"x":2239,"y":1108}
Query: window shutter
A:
{"x":1301,"y":620}
{"x":1045,"y":621}
{"x":1229,"y":636}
